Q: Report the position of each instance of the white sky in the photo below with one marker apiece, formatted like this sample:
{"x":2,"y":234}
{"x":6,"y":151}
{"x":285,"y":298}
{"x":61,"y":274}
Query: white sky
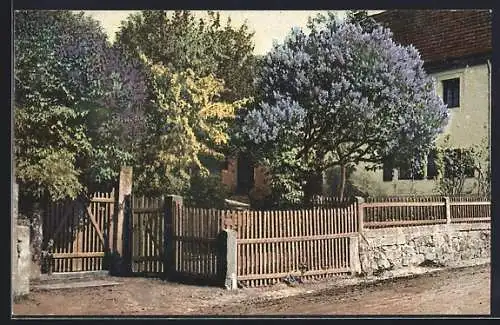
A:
{"x":267,"y":25}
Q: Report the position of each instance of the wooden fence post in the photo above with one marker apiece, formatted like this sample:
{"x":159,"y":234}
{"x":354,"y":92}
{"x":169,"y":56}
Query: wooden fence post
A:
{"x":361,"y":212}
{"x":173,"y":208}
{"x":354,"y":241}
{"x":448,"y":209}
{"x":124,"y":192}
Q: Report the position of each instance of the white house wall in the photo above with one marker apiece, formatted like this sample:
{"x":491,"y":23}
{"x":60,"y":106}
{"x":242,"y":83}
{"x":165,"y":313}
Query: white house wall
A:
{"x":467,"y":126}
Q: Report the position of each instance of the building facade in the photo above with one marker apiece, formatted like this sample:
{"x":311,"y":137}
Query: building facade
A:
{"x":456,"y":48}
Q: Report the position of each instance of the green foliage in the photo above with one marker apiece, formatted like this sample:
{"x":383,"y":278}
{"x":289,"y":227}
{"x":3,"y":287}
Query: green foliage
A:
{"x":206,"y":192}
{"x":48,"y":140}
{"x":199,"y":72}
{"x":57,"y":56}
{"x":187,"y":120}
{"x":483,"y":168}
{"x":71,"y":90}
{"x":55,"y":69}
{"x":454,"y":166}
{"x":62,"y":180}
{"x":181,"y":42}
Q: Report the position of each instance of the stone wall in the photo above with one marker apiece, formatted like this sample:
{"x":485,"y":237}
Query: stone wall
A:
{"x":20,"y":249}
{"x":446,"y":245}
{"x":21,"y":261}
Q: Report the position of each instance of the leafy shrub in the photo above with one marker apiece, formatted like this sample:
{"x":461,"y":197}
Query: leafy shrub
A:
{"x":206,"y":192}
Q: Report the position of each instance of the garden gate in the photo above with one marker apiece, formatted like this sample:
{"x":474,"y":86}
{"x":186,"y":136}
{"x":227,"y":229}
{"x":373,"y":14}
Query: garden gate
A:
{"x":87,"y":230}
{"x":147,"y":230}
{"x":81,"y":230}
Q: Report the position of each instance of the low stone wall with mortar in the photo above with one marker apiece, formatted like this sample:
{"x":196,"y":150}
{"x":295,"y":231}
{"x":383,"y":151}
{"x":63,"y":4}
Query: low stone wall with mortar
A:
{"x":445,"y":244}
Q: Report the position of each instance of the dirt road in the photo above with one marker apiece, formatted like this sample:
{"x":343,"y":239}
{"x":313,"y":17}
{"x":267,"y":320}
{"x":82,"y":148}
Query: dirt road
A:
{"x":463,"y":291}
{"x":460,"y":291}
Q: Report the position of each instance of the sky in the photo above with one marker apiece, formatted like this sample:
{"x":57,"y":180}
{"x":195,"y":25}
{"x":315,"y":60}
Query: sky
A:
{"x":267,"y":25}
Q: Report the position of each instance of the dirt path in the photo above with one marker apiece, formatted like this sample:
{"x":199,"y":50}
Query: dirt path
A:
{"x":462,"y":291}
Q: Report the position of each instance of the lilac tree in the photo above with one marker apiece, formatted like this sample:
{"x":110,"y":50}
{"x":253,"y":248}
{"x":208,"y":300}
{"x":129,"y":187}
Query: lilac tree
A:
{"x":340,"y":95}
{"x":71,"y":89}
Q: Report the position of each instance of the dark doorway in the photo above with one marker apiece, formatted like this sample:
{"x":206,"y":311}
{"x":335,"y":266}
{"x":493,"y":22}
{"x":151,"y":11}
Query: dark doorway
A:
{"x":244,"y":174}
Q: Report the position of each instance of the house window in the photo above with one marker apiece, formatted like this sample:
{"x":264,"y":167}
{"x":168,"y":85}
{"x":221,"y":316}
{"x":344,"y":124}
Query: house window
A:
{"x":451,"y":92}
{"x":388,"y":171}
{"x":406,"y":171}
{"x":432,"y":168}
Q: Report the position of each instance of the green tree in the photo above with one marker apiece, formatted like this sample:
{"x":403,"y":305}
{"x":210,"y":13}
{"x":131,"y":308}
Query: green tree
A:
{"x":187,"y":122}
{"x":52,"y":49}
{"x":200,"y":56}
{"x":180,"y":41}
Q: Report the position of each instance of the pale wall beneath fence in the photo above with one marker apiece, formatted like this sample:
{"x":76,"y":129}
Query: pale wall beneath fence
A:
{"x":393,"y":248}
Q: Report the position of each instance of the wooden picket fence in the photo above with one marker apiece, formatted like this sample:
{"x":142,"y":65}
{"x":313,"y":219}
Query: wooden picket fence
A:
{"x":80,"y":230}
{"x":421,"y":210}
{"x":194,"y":238}
{"x":272,"y":245}
{"x":470,"y":209}
{"x":320,"y":201}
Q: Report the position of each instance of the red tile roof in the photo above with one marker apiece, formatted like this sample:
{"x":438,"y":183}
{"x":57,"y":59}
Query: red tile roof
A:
{"x":441,"y":34}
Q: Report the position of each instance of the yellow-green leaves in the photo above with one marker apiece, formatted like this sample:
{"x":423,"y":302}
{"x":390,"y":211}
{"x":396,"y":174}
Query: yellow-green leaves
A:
{"x":189,"y":120}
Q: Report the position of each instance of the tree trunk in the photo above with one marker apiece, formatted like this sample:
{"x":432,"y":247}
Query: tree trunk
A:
{"x":343,"y":175}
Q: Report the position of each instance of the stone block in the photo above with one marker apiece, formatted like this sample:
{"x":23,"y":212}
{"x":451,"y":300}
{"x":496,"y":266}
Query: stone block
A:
{"x":354,"y":255}
{"x":23,"y":257}
{"x":228,"y":258}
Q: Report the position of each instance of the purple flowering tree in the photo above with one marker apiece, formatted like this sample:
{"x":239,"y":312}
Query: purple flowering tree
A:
{"x":340,"y":96}
{"x":74,"y":99}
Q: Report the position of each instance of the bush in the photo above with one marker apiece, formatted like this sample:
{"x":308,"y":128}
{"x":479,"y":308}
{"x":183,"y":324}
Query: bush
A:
{"x":359,"y":182}
{"x":362,"y":183}
{"x":206,"y":192}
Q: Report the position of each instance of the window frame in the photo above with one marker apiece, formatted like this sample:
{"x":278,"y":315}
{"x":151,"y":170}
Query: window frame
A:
{"x":453,"y":85}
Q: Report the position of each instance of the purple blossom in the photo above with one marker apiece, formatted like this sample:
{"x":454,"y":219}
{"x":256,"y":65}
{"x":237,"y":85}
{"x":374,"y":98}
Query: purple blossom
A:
{"x":362,"y":84}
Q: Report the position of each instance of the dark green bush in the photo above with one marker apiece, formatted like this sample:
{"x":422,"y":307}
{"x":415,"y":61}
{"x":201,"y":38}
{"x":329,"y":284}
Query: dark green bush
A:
{"x":206,"y":192}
